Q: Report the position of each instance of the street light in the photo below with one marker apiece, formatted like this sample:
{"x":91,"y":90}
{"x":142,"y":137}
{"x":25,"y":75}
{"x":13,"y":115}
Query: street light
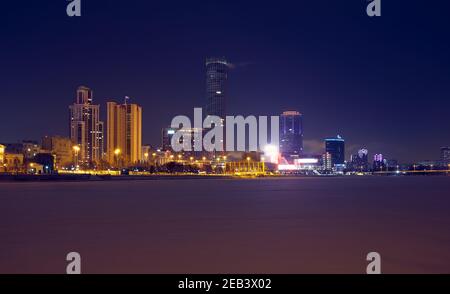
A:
{"x":76,"y":149}
{"x":117,"y":153}
{"x":146,"y":158}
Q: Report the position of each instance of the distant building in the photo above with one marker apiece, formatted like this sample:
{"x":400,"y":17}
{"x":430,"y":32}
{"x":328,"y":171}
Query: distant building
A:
{"x":146,"y":151}
{"x":124,"y":133}
{"x":378,"y":162}
{"x":392,"y":164}
{"x":61,"y":148}
{"x":166,"y":138}
{"x":336,"y":147}
{"x":360,"y":161}
{"x":327,"y":161}
{"x":86,"y":129}
{"x":216,"y":86}
{"x":30,"y":149}
{"x":291,"y":134}
{"x":47,"y":161}
{"x":167,"y":134}
{"x":27,"y":148}
{"x":445,"y":155}
{"x":13,"y":162}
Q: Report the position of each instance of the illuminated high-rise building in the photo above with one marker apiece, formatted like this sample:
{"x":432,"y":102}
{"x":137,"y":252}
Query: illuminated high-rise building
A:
{"x":360,"y":161}
{"x":336,"y":147}
{"x":124,"y":135}
{"x":327,"y":161}
{"x":86,"y":129}
{"x":216,"y":81}
{"x":291,"y":133}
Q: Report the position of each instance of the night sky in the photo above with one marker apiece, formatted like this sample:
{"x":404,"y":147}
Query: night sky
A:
{"x":382,"y":83}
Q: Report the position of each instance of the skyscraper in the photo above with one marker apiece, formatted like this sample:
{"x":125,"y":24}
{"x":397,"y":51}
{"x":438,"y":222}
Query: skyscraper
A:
{"x":86,"y":129}
{"x":360,"y":161}
{"x":216,"y":80}
{"x":336,"y":147}
{"x":124,"y":133}
{"x":291,"y":133}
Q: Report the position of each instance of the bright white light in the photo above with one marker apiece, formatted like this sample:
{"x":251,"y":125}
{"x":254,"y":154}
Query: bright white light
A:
{"x":306,"y":161}
{"x":170,"y":132}
{"x":288,"y":167}
{"x":271,"y":153}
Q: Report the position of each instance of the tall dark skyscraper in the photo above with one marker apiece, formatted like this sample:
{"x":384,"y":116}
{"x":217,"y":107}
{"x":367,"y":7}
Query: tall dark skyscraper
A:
{"x":291,"y":133}
{"x":216,"y":80}
{"x":336,"y":147}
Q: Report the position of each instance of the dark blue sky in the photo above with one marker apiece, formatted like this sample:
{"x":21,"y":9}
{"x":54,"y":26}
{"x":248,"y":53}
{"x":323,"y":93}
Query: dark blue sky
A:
{"x":382,"y":83}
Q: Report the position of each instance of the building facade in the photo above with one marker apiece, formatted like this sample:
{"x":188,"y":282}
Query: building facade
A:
{"x":192,"y":133}
{"x":327,"y":161}
{"x":336,"y":148}
{"x":13,"y":162}
{"x":360,"y":161}
{"x":124,"y":135}
{"x":2,"y":158}
{"x":61,"y":148}
{"x":378,"y":162}
{"x":86,"y":129}
{"x":166,"y":138}
{"x":28,"y":148}
{"x":291,"y":133}
{"x":216,"y":86}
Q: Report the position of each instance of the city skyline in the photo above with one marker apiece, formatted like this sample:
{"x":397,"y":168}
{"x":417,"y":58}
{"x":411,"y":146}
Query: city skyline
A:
{"x":181,"y":140}
{"x":327,"y":76}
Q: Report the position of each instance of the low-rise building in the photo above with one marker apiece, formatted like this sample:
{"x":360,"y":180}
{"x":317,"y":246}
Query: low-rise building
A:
{"x":13,"y":163}
{"x":61,"y":148}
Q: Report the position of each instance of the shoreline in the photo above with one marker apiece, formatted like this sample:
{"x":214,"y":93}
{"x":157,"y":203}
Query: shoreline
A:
{"x":94,"y":178}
